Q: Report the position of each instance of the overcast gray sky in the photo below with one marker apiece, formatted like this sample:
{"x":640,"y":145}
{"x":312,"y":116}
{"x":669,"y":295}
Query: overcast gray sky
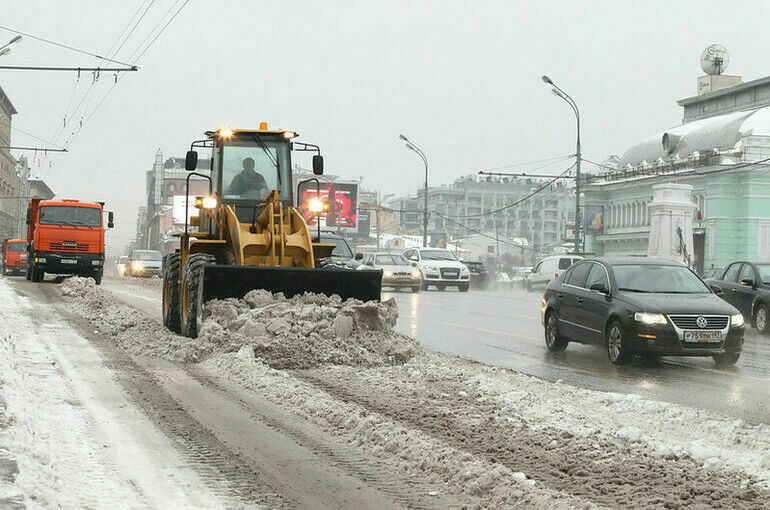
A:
{"x":462,"y":79}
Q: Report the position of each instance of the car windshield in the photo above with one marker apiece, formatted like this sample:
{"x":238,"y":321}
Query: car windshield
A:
{"x":437,"y":255}
{"x":70,"y":215}
{"x":249,"y":168}
{"x":764,"y":272}
{"x":147,"y":255}
{"x":391,"y":260}
{"x":341,"y":248}
{"x":474,"y":265}
{"x":17,"y":247}
{"x":658,"y":279}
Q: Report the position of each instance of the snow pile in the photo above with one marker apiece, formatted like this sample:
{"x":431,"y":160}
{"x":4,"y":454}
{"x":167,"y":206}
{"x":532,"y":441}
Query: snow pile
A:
{"x":131,"y":329}
{"x":301,"y":332}
{"x":78,"y":286}
{"x":309,"y":330}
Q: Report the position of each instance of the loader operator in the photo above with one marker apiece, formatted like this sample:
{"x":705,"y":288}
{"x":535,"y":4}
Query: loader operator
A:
{"x":247,"y":181}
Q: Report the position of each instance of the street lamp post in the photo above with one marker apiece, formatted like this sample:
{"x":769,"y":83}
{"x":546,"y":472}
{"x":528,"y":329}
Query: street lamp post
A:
{"x":4,"y":49}
{"x":557,"y":91}
{"x":411,"y":146}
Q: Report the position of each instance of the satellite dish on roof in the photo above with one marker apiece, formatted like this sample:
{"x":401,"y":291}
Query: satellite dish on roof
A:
{"x":714,"y":59}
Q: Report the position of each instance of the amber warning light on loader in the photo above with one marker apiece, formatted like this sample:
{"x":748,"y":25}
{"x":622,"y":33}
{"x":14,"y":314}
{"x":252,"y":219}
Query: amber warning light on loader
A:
{"x":316,"y":206}
{"x":206,"y":202}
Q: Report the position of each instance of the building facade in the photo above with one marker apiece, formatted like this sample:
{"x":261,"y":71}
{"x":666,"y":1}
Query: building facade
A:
{"x":8,"y":179}
{"x":477,"y":203}
{"x":723,"y":151}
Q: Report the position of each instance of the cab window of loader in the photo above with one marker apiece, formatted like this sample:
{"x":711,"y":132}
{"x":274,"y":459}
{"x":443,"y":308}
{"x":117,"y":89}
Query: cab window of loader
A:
{"x":248,"y":173}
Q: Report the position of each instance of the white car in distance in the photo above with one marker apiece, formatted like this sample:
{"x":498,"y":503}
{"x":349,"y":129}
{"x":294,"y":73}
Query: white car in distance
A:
{"x":440,"y":268}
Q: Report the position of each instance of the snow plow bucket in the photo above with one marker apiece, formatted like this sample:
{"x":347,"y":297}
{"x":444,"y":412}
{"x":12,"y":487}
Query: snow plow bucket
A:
{"x":224,"y":281}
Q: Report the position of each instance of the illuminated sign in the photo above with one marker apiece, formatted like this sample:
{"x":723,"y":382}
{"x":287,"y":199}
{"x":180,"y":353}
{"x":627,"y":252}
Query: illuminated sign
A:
{"x":341,"y":199}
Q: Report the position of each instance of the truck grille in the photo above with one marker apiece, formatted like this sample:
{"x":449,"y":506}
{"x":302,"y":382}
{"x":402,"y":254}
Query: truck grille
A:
{"x":691,"y":321}
{"x":68,"y":246}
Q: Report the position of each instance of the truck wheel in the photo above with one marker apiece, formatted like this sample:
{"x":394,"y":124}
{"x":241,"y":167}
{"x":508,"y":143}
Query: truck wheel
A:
{"x":463,"y":287}
{"x":97,"y":276}
{"x":37,"y":274}
{"x":171,"y":313}
{"x":192,"y":293}
{"x":28,"y":273}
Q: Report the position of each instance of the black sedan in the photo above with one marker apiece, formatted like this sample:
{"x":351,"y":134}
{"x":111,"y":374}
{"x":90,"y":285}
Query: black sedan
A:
{"x":479,"y":275}
{"x":746,"y":286}
{"x":631,"y":305}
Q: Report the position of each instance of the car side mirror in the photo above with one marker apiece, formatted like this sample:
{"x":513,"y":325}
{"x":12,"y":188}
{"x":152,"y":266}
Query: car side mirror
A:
{"x":318,"y":164}
{"x":748,"y":282}
{"x":717,"y":290}
{"x":191,"y":161}
{"x":599,"y":287}
{"x":359,"y":256}
{"x":110,"y":219}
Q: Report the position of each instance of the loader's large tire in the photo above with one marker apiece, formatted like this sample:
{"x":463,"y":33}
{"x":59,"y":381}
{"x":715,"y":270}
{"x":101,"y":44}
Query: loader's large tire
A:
{"x":192,"y":293}
{"x":171,"y":313}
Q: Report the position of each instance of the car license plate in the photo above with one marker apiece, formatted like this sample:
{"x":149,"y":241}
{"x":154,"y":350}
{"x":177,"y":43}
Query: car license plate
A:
{"x":69,"y":261}
{"x":702,"y":336}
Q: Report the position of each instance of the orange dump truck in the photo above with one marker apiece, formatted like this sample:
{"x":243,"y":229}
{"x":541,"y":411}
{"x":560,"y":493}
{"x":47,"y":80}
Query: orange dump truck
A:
{"x":65,"y":237}
{"x":14,"y":256}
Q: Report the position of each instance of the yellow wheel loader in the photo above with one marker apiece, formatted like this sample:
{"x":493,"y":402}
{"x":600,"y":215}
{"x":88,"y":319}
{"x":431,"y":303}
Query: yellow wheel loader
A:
{"x":249,"y":233}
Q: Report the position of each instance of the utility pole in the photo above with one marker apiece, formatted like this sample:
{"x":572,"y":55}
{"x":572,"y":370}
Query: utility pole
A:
{"x":557,"y":91}
{"x":411,"y":146}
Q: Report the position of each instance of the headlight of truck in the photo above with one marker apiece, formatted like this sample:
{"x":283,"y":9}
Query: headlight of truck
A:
{"x":736,"y":320}
{"x":650,"y":318}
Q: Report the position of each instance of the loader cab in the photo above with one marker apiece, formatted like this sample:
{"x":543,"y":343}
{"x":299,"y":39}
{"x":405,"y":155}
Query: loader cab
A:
{"x":248,"y":165}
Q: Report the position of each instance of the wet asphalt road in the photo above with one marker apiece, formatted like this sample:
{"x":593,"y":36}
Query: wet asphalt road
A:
{"x":503,"y":328}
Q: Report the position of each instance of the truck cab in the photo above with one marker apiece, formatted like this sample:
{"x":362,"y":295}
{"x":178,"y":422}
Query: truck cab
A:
{"x":65,"y":237}
{"x":14,"y":257}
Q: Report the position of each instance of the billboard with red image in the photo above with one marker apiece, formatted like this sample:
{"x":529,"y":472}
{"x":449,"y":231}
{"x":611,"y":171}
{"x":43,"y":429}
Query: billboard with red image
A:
{"x":341,"y":199}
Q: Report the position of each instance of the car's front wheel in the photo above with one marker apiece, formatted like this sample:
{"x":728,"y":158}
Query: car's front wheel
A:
{"x":553,"y":340}
{"x":617,"y":345}
{"x":761,"y":319}
{"x":463,"y":287}
{"x":726,"y":359}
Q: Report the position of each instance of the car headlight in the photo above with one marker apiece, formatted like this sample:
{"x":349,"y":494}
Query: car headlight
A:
{"x":464,"y":269}
{"x":736,"y":320}
{"x":387,"y":274}
{"x":431,"y":268}
{"x":137,"y":266}
{"x":416,"y":273}
{"x":650,"y":318}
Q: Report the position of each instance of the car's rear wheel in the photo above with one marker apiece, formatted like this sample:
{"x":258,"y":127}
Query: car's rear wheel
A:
{"x":617,"y":346}
{"x":726,"y":359}
{"x":761,"y":319}
{"x":553,"y":340}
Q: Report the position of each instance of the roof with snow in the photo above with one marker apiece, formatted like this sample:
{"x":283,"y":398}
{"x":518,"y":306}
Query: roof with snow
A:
{"x":723,"y":133}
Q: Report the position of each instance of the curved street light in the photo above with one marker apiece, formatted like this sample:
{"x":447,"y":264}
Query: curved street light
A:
{"x":4,"y":50}
{"x":558,"y":92}
{"x":412,"y":147}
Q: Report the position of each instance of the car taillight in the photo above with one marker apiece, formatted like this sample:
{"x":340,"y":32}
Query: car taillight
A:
{"x":485,"y":272}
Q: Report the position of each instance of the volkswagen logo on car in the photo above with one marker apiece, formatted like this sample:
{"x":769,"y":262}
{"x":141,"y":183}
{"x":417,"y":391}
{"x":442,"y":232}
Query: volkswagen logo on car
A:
{"x":701,"y":322}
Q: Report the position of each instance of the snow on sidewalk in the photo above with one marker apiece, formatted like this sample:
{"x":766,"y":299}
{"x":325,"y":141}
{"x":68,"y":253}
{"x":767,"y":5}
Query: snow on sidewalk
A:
{"x":76,"y":439}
